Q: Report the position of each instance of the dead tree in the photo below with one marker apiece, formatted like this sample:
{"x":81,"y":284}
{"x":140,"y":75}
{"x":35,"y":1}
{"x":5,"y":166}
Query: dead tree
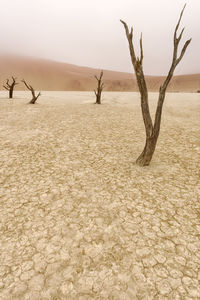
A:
{"x":100,"y":86}
{"x":152,"y":129}
{"x":30,"y":88}
{"x":10,"y":87}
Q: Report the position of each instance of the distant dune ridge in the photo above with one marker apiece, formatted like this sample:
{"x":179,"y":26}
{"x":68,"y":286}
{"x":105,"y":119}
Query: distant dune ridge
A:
{"x":51,"y":75}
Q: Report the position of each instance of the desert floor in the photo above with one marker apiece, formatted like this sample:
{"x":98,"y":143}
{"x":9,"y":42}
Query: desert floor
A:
{"x":78,"y":219}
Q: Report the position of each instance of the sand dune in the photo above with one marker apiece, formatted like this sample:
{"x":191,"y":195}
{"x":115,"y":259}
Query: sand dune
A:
{"x":51,"y":75}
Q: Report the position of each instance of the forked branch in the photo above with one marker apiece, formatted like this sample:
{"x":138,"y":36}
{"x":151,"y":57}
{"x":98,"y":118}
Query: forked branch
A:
{"x":175,"y":61}
{"x":30,"y":88}
{"x":175,"y":58}
{"x":7,"y":86}
{"x":10,"y":86}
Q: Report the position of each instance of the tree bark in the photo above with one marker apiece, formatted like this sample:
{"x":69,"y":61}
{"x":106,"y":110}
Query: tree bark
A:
{"x":145,"y":157}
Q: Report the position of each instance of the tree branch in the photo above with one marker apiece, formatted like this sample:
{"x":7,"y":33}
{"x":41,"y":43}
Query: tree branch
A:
{"x":129,"y":38}
{"x":7,"y":82}
{"x":180,"y":35}
{"x":137,"y":65}
{"x":101,"y":75}
{"x":28,"y":86}
{"x":14,"y":81}
{"x":183,"y":51}
{"x":175,"y":62}
{"x":177,"y":26}
{"x":141,"y":50}
{"x":38,"y":95}
{"x":102,"y":86}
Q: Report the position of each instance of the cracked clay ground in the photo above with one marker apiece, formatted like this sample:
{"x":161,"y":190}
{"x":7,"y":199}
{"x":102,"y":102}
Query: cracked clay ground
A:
{"x":78,"y":219}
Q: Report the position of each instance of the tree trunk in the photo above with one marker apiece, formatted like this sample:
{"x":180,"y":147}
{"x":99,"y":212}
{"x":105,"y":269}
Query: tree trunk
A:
{"x":11,"y":93}
{"x":98,"y":98}
{"x":34,"y":99}
{"x":145,"y":157}
{"x":99,"y":88}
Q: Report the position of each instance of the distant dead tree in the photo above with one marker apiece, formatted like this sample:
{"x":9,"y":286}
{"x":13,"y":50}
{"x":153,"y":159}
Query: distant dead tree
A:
{"x":100,"y":86}
{"x":30,"y":88}
{"x":10,"y":86}
{"x":152,"y":129}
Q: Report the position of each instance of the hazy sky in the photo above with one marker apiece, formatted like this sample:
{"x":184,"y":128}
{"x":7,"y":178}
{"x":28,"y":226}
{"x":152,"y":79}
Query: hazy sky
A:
{"x":88,"y":32}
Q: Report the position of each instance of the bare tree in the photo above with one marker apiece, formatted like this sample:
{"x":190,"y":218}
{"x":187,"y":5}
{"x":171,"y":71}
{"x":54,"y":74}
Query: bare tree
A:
{"x":30,"y":88}
{"x":100,"y":86}
{"x":10,"y":87}
{"x":153,"y":129}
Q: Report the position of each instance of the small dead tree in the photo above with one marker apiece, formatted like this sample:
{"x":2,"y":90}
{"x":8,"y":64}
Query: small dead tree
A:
{"x":30,"y":88}
{"x":10,"y":86}
{"x":100,"y":86}
{"x":152,"y":129}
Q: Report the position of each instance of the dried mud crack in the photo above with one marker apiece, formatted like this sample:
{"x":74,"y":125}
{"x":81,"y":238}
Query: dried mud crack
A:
{"x":78,"y":219}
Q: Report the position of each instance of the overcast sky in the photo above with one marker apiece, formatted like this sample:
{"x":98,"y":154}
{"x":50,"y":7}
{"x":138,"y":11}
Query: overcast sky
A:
{"x":88,"y":32}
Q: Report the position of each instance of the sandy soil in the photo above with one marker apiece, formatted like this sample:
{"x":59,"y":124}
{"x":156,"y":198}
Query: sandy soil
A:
{"x":78,"y":219}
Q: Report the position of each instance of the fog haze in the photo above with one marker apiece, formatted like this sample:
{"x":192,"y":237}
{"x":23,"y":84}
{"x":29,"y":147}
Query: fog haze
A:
{"x":88,"y":32}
